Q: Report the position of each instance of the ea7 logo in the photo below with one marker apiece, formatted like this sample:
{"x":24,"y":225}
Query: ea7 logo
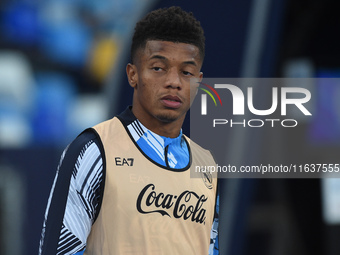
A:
{"x":239,"y":101}
{"x":124,"y":161}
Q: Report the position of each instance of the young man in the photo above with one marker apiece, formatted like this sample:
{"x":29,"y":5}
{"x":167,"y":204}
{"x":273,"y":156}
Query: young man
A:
{"x":124,"y":186}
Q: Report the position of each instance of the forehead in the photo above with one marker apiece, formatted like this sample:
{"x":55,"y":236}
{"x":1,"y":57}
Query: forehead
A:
{"x":170,"y":50}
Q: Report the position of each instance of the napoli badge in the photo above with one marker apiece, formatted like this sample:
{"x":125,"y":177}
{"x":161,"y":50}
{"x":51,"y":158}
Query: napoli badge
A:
{"x":207,"y":178}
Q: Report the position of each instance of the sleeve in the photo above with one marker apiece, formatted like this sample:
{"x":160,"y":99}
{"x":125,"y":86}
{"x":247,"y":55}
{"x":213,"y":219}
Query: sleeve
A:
{"x":75,"y":197}
{"x":213,"y":248}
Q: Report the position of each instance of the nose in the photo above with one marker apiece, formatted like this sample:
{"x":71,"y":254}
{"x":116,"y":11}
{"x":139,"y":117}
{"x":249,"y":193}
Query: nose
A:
{"x":173,"y":79}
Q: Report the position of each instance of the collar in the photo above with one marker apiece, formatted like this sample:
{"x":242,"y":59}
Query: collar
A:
{"x":137,"y":129}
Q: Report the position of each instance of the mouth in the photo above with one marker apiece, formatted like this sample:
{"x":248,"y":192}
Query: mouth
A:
{"x":171,"y":101}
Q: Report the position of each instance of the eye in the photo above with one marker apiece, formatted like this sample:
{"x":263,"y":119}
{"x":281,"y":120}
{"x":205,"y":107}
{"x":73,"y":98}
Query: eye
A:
{"x":186,"y":73}
{"x":157,"y":68}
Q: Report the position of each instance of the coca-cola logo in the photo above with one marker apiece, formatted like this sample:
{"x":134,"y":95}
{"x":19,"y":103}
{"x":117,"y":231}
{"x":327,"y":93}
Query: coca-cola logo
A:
{"x":187,"y":205}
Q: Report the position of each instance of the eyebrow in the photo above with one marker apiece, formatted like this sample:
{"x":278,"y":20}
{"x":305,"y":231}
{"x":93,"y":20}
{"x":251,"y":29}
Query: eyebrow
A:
{"x":164,"y":58}
{"x":158,"y":57}
{"x":190,"y":63}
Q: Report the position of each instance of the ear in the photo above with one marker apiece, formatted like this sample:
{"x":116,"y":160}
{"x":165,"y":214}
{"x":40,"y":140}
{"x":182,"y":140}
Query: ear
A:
{"x":201,"y":76}
{"x":132,"y":75}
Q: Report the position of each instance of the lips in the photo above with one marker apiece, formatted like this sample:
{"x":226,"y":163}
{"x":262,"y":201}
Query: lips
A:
{"x":171,"y":101}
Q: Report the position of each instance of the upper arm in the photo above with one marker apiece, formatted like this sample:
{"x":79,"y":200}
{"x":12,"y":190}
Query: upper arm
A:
{"x":75,"y":196}
{"x":214,"y":246}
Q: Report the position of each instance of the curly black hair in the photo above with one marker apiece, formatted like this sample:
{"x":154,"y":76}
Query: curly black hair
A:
{"x":171,"y":24}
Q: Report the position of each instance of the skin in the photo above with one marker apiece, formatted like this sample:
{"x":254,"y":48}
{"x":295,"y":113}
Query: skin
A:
{"x":161,"y":77}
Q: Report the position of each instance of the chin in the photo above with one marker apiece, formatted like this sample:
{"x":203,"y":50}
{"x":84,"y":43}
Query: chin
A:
{"x":167,"y":117}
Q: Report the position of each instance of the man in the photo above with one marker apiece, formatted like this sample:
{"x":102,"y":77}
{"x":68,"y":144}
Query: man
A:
{"x":124,"y":186}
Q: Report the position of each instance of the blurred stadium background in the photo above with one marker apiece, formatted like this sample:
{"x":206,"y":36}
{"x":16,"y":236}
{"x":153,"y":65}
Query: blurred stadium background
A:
{"x":62,"y":69}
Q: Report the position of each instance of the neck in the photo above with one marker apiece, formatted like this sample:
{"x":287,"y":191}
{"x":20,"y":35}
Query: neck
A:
{"x":168,"y":129}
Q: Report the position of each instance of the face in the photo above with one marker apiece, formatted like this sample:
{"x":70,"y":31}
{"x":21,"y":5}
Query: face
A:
{"x":161,"y":80}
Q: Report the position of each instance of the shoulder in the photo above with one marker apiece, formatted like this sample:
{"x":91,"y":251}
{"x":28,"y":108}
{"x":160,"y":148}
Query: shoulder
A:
{"x":109,"y":128}
{"x":86,"y":140}
{"x":199,"y":154}
{"x":87,"y":137}
{"x":196,"y":147}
